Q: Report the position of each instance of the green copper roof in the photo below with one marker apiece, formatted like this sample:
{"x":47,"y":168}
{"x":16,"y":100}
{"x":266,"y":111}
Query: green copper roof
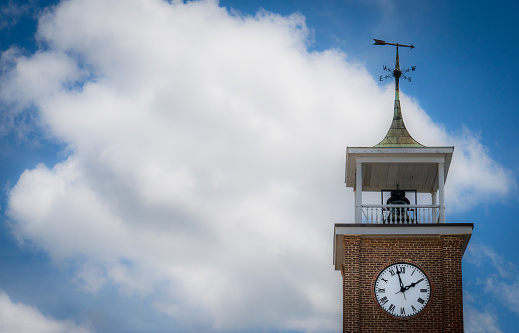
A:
{"x":398,"y":136}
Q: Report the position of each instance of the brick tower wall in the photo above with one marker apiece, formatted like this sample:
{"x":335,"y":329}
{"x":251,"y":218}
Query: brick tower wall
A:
{"x":439,"y":256}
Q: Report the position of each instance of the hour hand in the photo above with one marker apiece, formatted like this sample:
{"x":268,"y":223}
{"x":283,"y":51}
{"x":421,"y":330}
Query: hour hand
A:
{"x":413,"y":284}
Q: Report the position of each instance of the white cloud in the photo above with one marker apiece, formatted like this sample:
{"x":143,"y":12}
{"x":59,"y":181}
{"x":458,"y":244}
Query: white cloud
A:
{"x":11,"y":12}
{"x":20,"y":318}
{"x":206,"y":158}
{"x":476,"y":321}
{"x":480,"y":255}
{"x":506,"y":291}
{"x":499,"y":277}
{"x":475,"y":177}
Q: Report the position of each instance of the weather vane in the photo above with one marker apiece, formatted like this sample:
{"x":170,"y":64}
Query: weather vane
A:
{"x":397,"y":73}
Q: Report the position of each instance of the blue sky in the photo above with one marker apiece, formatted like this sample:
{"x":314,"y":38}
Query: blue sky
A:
{"x":179,"y":166}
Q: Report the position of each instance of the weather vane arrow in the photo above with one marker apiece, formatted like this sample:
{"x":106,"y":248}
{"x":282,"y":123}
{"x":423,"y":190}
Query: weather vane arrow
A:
{"x":381,"y":42}
{"x":397,"y":72}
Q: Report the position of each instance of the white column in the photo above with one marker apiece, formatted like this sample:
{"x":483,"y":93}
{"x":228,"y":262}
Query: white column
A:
{"x":358,"y":194}
{"x":433,"y":198}
{"x":441,"y":187}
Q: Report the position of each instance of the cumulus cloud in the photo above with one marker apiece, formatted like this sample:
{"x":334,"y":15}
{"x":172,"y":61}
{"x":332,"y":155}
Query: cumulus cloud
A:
{"x":206,"y":157}
{"x":20,"y":318}
{"x":485,"y":180}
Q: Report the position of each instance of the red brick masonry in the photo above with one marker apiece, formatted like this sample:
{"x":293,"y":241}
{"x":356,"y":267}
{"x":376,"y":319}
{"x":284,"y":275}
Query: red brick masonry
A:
{"x":439,"y":255}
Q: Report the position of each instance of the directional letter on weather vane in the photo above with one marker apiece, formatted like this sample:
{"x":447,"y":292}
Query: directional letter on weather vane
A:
{"x":396,"y":73}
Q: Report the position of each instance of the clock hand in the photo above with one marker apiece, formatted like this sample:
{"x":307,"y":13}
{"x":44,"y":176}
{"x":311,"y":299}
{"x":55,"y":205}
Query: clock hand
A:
{"x":402,"y":288}
{"x":400,"y":279}
{"x":413,"y":284}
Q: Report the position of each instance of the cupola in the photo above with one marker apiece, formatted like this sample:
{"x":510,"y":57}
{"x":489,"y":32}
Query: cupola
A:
{"x":398,"y":166}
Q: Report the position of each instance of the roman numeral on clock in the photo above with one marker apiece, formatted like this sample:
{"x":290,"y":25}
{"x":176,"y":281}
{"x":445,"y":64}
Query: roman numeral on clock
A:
{"x":420,"y":300}
{"x":384,"y":280}
{"x":423,"y":290}
{"x":402,"y":311}
{"x":391,"y":308}
{"x":412,"y":307}
{"x":392,"y":272}
{"x":380,"y":290}
{"x":383,"y":300}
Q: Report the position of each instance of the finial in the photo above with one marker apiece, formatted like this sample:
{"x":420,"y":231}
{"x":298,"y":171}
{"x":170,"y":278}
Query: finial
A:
{"x":397,"y":136}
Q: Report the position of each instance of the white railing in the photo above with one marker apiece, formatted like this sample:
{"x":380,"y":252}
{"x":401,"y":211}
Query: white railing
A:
{"x":400,"y":214}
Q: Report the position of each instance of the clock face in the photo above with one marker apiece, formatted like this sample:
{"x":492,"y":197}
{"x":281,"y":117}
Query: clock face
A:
{"x":402,"y":290}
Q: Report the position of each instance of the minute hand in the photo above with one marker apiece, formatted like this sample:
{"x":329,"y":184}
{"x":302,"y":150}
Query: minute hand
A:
{"x":413,"y":284}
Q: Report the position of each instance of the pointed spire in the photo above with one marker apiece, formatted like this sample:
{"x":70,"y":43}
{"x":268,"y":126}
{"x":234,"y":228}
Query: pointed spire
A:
{"x":398,"y":136}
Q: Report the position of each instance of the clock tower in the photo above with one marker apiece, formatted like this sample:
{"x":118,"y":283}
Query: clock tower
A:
{"x":400,"y":261}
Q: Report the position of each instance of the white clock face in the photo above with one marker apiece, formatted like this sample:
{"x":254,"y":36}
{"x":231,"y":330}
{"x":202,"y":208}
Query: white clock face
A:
{"x":402,"y":289}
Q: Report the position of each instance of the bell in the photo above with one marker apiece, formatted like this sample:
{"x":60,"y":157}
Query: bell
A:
{"x":398,"y":214}
{"x":397,"y":198}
